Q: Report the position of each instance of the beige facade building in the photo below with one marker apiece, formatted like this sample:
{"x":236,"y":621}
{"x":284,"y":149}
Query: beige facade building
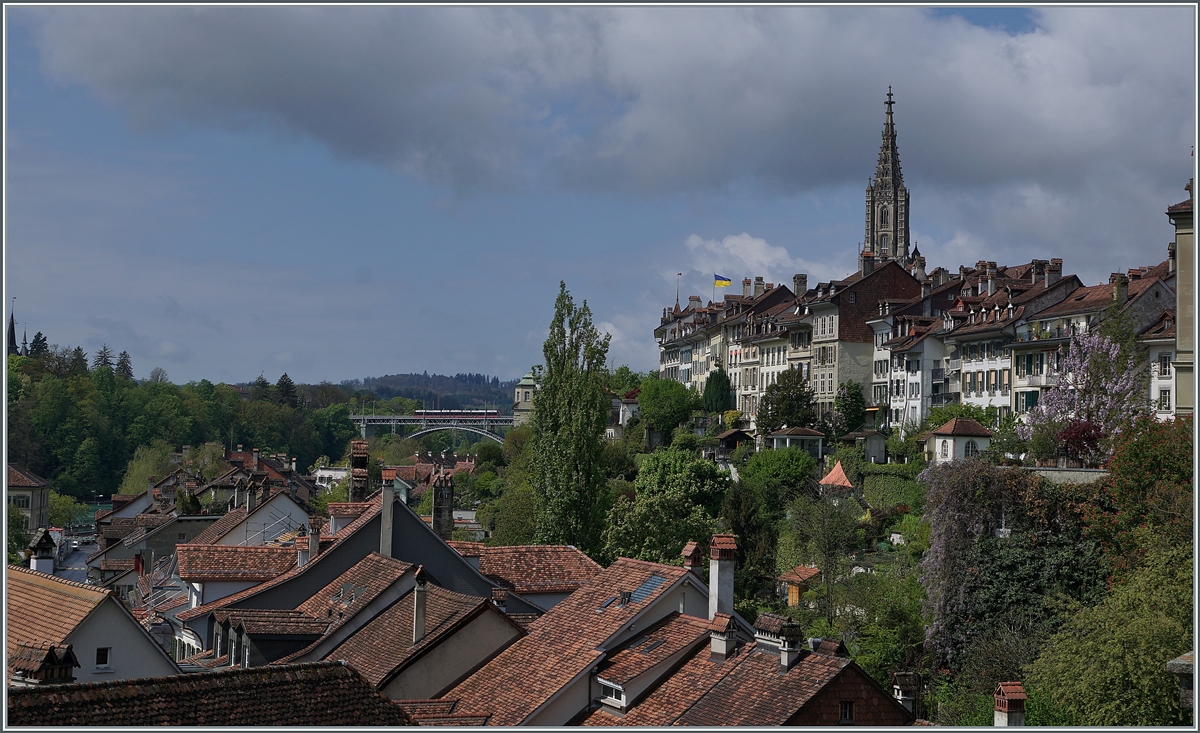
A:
{"x":29,"y":494}
{"x":1185,"y":254}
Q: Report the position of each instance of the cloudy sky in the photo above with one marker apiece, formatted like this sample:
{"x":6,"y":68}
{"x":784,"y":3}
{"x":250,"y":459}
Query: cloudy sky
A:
{"x":342,"y":193}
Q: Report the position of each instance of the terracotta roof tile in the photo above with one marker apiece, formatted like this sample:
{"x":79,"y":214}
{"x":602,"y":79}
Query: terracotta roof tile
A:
{"x":318,"y":694}
{"x":348,"y":508}
{"x":44,"y":608}
{"x":117,"y":564}
{"x":221,"y":527}
{"x":538,"y":568}
{"x":274,"y":621}
{"x":384,"y":645}
{"x":799,"y":574}
{"x":964,"y":426}
{"x":837,"y":477}
{"x":198,"y":563}
{"x":18,"y":476}
{"x":658,"y":643}
{"x":563,"y":643}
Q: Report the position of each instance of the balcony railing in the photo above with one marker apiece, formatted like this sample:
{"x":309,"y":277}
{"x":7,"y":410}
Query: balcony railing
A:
{"x":939,"y":375}
{"x":946,"y":398}
{"x":955,"y":365}
{"x":1039,"y":380}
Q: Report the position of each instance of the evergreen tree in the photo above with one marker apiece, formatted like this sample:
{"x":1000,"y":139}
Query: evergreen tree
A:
{"x":260,"y":388}
{"x":124,"y":366}
{"x":570,"y":411}
{"x":77,"y":364}
{"x":103,"y":358}
{"x":716,"y":392}
{"x":38,"y":346}
{"x":285,"y":391}
{"x":789,"y":401}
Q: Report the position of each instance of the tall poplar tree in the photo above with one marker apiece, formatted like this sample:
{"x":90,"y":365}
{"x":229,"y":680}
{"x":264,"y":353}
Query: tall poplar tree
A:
{"x":570,"y":410}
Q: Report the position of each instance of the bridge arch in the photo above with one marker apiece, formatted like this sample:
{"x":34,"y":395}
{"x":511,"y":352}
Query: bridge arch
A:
{"x":476,"y":431}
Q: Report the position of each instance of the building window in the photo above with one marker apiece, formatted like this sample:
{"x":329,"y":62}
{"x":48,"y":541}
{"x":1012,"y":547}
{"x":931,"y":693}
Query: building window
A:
{"x":847,"y":712}
{"x":945,"y":449}
{"x":21,"y":501}
{"x":103,"y":655}
{"x":851,"y":296}
{"x":1164,"y":400}
{"x":971,"y":449}
{"x":1164,"y":364}
{"x":883,"y":216}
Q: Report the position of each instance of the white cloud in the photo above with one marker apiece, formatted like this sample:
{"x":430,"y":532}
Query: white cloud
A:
{"x":737,"y":256}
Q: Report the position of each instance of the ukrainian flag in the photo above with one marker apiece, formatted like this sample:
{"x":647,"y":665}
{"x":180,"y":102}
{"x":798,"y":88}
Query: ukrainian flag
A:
{"x":721,"y":282}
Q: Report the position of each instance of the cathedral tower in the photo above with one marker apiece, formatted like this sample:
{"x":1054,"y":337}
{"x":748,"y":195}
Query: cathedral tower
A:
{"x":887,"y":201}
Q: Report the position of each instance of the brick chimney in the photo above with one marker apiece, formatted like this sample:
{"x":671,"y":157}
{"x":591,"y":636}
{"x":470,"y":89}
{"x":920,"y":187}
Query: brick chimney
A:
{"x":419,"y":593}
{"x":1037,"y":271}
{"x":1010,"y":705}
{"x":867,"y":262}
{"x":1054,"y":271}
{"x":722,"y":551}
{"x":746,"y":291}
{"x":759,"y":287}
{"x":800,"y":283}
{"x":1120,"y":285}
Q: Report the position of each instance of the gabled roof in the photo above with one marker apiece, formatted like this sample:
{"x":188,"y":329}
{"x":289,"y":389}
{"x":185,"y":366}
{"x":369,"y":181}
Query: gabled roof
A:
{"x":563,"y":644}
{"x":538,"y":568}
{"x":22,"y":478}
{"x":1163,"y":328}
{"x":656,"y":644}
{"x":797,"y":432}
{"x":383,"y":647}
{"x":200,"y":563}
{"x":44,"y":608}
{"x":317,"y":694}
{"x":221,"y":527}
{"x":963,"y":426}
{"x":799,"y":574}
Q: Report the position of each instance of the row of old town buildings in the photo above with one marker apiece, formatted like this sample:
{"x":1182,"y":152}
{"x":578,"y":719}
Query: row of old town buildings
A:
{"x":915,"y":338}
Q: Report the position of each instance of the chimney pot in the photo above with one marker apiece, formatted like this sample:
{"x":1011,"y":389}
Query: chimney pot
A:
{"x":419,"y":593}
{"x":758,"y":286}
{"x":1010,"y":705}
{"x":868,"y":263}
{"x":722,"y":551}
{"x":746,"y":287}
{"x":799,"y":284}
{"x":301,"y":543}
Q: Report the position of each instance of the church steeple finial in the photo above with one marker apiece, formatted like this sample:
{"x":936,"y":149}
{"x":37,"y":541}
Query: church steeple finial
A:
{"x":12,"y":330}
{"x":886,"y":235}
{"x":889,"y":104}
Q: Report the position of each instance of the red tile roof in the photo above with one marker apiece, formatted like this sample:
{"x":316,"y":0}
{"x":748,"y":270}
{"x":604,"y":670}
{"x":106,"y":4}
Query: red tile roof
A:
{"x":274,"y":621}
{"x":837,"y":477}
{"x":44,"y":608}
{"x":538,"y":568}
{"x":657,"y":644}
{"x":964,"y":426}
{"x":23,"y":478}
{"x":348,"y":508}
{"x":799,"y":574}
{"x":384,"y":646}
{"x":318,"y":694}
{"x":199,"y":563}
{"x":562,"y":644}
{"x":221,"y":527}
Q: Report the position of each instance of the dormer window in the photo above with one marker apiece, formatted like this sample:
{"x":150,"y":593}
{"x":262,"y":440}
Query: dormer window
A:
{"x":611,"y":693}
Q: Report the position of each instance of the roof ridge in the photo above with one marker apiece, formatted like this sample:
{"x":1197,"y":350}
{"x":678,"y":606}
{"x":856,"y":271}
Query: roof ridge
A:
{"x":63,"y":581}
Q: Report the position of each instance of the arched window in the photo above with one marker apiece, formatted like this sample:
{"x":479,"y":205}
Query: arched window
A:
{"x":945,"y":449}
{"x":971,"y":449}
{"x":883,"y":216}
{"x":883,"y":245}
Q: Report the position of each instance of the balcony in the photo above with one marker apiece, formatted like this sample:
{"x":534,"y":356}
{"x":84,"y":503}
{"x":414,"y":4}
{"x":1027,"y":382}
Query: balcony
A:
{"x":1038,"y":380}
{"x":955,"y":365}
{"x":947,"y":398}
{"x":939,"y":375}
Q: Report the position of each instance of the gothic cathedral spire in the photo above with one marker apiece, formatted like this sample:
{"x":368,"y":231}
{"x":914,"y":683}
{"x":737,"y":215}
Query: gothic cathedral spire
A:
{"x":887,"y":201}
{"x":12,"y":335}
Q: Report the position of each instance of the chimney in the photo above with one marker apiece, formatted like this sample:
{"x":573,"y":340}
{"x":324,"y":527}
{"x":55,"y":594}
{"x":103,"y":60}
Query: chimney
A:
{"x":255,"y":464}
{"x":419,"y":592}
{"x":991,"y":278}
{"x":758,"y":286}
{"x":386,"y":520}
{"x":1010,"y":705}
{"x":721,"y":552}
{"x":868,"y":263}
{"x":692,"y":558}
{"x":943,"y":276}
{"x":239,"y":450}
{"x":443,"y":507}
{"x":251,"y":500}
{"x":926,"y":288}
{"x":791,"y":646}
{"x":1171,"y":258}
{"x":149,"y":483}
{"x":746,"y":288}
{"x":800,"y":284}
{"x":137,"y":564}
{"x":301,"y":542}
{"x":721,"y":637}
{"x":1037,"y":271}
{"x":1054,"y":271}
{"x":499,"y":598}
{"x":314,"y":538}
{"x":694,"y":302}
{"x":1120,"y":285}
{"x":962,"y":272}
{"x":293,"y":464}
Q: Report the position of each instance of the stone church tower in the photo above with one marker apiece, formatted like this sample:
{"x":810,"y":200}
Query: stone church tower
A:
{"x":887,"y":202}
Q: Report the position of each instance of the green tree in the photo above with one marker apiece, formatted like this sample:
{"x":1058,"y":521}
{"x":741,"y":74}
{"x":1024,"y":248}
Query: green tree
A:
{"x":777,"y":477}
{"x":570,"y":411}
{"x":789,"y":401}
{"x":285,"y":391}
{"x":716,"y":392}
{"x":624,"y":380}
{"x":824,"y":532}
{"x":65,"y":510}
{"x":148,"y":460}
{"x":124,"y":368}
{"x":1106,"y":664}
{"x":77,"y":363}
{"x":850,"y":406}
{"x":38,"y":346}
{"x":85,"y":468}
{"x":18,"y":537}
{"x":103,"y":358}
{"x":512,"y":519}
{"x":677,"y":497}
{"x":186,"y":504}
{"x":333,"y":430}
{"x":665,"y":403}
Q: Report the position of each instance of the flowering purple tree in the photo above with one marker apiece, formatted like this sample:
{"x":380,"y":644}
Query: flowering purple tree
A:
{"x":1096,"y":395}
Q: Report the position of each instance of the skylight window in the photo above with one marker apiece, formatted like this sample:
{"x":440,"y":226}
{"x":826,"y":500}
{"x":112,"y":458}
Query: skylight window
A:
{"x":645,"y":589}
{"x":654,"y":645}
{"x":606,"y":604}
